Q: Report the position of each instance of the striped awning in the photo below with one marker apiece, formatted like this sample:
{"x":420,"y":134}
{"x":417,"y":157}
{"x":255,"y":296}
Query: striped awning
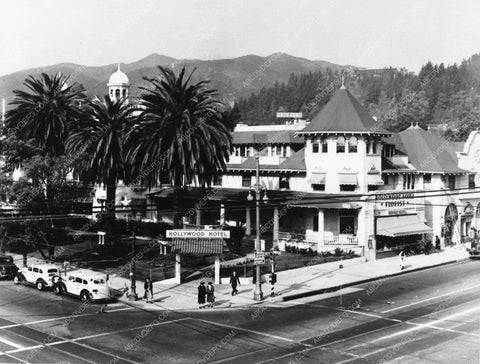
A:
{"x":317,"y":178}
{"x":374,"y":179}
{"x":198,"y":245}
{"x":347,"y":179}
{"x":401,"y":225}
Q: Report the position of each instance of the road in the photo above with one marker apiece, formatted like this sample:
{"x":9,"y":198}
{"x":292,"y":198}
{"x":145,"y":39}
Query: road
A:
{"x":430,"y":316}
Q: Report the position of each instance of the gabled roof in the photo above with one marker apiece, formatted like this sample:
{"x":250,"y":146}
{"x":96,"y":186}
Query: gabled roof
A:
{"x":343,"y":114}
{"x":295,"y":163}
{"x":427,"y":152}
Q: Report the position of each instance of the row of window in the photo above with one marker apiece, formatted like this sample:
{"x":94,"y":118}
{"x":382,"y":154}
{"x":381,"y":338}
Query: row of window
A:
{"x":346,"y":224}
{"x":351,"y":144}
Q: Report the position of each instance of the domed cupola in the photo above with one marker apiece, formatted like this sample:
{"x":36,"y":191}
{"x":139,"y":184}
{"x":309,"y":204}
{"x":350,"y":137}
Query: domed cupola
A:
{"x":118,"y":85}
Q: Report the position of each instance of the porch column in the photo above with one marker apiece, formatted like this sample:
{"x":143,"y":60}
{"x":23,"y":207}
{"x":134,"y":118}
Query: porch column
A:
{"x":276,"y":226}
{"x":321,"y":227}
{"x":222,"y":214}
{"x":248,"y":222}
{"x":217,"y":269}
{"x":198,"y":217}
{"x":178,"y":269}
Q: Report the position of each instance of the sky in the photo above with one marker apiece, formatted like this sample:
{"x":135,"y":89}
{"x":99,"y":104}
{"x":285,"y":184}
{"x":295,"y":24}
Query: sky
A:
{"x":366,"y":33}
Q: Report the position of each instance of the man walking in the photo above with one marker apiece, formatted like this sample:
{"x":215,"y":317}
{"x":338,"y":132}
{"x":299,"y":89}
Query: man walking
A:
{"x":402,"y":260}
{"x":234,"y":281}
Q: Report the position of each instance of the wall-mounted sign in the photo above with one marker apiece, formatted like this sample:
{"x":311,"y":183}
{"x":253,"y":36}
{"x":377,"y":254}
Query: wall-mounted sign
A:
{"x":219,"y":234}
{"x":290,"y":115}
{"x":394,"y":199}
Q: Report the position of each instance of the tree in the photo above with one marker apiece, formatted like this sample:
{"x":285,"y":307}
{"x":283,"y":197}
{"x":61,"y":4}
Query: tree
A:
{"x":45,"y":112}
{"x":100,"y":140}
{"x":180,"y":132}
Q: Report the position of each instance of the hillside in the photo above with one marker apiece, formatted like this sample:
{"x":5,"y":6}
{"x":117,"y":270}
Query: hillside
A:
{"x":227,"y":75}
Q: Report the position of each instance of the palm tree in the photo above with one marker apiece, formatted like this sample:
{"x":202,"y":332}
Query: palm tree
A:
{"x":45,"y":112}
{"x":100,"y":140}
{"x":180,"y":132}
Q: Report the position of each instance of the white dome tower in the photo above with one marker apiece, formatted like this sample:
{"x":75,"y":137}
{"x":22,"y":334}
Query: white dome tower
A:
{"x":118,"y":85}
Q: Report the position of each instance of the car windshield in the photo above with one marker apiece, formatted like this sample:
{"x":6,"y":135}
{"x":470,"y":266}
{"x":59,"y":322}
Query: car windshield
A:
{"x":6,"y":260}
{"x":52,"y":271}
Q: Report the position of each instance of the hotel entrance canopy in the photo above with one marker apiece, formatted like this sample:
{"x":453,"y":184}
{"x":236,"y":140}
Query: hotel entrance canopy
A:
{"x":401,"y":225}
{"x":198,"y":245}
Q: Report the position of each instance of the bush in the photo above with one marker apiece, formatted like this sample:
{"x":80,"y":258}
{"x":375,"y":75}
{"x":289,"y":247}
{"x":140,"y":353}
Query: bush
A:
{"x":338,"y":252}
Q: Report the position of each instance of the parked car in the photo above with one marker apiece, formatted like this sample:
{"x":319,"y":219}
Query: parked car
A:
{"x":39,"y":275}
{"x":85,"y":284}
{"x":8,"y":269}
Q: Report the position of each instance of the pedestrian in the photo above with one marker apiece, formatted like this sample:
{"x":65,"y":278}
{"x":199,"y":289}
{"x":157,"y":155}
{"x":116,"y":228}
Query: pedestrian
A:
{"x":210,"y":294}
{"x":201,"y":294}
{"x":437,"y":243}
{"x":234,"y":281}
{"x":402,"y":260}
{"x":148,"y":286}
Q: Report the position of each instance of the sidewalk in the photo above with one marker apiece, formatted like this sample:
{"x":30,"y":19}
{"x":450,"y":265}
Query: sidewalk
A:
{"x":292,"y":284}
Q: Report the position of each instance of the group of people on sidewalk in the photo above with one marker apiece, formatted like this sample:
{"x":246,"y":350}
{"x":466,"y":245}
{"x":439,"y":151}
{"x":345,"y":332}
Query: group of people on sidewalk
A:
{"x":206,"y":293}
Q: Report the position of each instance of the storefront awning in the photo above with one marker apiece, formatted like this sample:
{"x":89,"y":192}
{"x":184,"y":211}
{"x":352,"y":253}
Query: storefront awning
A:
{"x":347,"y":179}
{"x":401,"y":225}
{"x":198,"y":246}
{"x":374,"y":179}
{"x":317,"y":178}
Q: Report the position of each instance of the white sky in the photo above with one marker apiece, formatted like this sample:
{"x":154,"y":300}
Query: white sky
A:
{"x":366,"y":33}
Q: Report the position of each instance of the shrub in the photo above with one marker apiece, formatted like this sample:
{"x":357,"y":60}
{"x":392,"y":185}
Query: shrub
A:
{"x":338,"y":252}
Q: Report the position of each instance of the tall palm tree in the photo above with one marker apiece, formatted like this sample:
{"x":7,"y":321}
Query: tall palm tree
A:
{"x":100,"y":141}
{"x":45,"y":112}
{"x":180,"y":132}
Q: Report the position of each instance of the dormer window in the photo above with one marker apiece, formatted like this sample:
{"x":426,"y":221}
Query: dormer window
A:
{"x":352,"y":145}
{"x":340,"y":144}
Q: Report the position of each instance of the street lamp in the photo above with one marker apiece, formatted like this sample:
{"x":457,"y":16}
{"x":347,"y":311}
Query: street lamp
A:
{"x":132,"y":227}
{"x":257,"y":294}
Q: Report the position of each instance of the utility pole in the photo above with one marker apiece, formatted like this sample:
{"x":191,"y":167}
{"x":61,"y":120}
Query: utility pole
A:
{"x":257,"y":294}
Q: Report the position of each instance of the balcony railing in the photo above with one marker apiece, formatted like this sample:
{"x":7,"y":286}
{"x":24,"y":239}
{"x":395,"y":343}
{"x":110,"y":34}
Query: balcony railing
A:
{"x":315,"y":238}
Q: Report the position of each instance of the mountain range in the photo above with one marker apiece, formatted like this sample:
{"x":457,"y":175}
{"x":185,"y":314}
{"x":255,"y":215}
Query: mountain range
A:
{"x":229,"y":76}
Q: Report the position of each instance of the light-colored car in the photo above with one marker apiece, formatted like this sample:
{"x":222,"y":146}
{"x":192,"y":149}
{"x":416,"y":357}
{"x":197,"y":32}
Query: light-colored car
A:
{"x":83,"y":283}
{"x":39,"y":275}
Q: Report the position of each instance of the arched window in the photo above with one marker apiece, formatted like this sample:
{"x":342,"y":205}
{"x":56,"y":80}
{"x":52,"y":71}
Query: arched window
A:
{"x":117,"y":93}
{"x":340,"y":144}
{"x":124,"y":93}
{"x":352,"y":145}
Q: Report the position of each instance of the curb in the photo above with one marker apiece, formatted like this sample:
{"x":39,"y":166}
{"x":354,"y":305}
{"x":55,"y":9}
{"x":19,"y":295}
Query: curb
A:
{"x":350,"y":284}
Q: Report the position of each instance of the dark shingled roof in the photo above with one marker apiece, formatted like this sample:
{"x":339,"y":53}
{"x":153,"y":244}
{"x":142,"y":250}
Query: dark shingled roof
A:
{"x":427,"y":152}
{"x":266,"y":137}
{"x":295,"y":163}
{"x":343,"y":114}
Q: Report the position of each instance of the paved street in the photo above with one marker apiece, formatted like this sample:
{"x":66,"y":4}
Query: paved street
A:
{"x":424,"y":317}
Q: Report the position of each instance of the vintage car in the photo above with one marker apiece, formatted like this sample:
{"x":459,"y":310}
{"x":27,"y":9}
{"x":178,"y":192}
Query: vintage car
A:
{"x":85,"y":284}
{"x":39,"y":275}
{"x":8,"y":269}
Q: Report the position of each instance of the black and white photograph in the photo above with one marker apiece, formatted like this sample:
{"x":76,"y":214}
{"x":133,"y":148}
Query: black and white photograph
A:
{"x":240,"y":182}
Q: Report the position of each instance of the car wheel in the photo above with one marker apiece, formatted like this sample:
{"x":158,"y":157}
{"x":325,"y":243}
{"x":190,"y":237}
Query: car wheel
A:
{"x":58,"y":289}
{"x":85,"y":297}
{"x":56,"y":279}
{"x":40,"y":286}
{"x":16,"y":280}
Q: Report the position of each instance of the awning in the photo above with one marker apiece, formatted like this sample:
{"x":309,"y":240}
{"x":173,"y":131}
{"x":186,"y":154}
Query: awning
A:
{"x":374,"y":179}
{"x":198,"y":246}
{"x":317,"y":178}
{"x":401,"y":225}
{"x":347,"y":179}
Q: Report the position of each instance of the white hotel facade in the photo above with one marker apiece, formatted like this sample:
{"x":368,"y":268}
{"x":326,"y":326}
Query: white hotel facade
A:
{"x":339,"y":181}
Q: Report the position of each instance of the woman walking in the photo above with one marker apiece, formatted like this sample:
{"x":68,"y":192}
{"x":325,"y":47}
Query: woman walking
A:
{"x":210,"y":294}
{"x":201,"y":295}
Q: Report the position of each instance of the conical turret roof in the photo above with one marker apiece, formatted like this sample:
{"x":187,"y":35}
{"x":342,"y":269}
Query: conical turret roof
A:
{"x":343,"y":114}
